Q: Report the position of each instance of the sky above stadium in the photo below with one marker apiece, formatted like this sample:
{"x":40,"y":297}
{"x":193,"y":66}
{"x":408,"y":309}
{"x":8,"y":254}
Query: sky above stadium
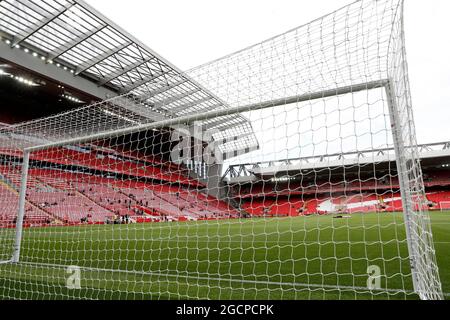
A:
{"x":190,"y":33}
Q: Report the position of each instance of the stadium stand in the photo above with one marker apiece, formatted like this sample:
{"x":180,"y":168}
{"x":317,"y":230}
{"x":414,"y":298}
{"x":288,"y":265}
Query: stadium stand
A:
{"x":295,"y":206}
{"x":437,"y":178}
{"x":68,"y":197}
{"x":34,"y":216}
{"x":439,"y":200}
{"x":318,"y":187}
{"x":114,"y":163}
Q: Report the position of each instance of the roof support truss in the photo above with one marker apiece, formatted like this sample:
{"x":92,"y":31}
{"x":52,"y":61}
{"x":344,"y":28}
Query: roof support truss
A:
{"x":141,"y":82}
{"x":102,"y":57}
{"x":123,"y":71}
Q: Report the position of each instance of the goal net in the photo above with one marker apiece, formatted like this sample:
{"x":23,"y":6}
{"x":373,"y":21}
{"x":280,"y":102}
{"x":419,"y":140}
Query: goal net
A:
{"x":444,"y":205}
{"x":287,"y":170}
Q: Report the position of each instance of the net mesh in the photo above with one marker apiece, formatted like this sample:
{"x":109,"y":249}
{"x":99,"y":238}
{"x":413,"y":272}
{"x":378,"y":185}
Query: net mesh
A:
{"x":301,"y":180}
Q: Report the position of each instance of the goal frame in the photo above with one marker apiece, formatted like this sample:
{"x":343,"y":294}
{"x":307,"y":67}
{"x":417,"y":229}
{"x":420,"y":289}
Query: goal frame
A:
{"x":399,"y":146}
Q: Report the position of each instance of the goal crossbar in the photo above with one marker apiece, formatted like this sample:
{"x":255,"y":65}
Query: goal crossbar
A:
{"x":220,"y":113}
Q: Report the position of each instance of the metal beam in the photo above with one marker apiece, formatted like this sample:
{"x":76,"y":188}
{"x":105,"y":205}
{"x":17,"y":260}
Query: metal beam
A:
{"x":140,"y":44}
{"x":320,"y":95}
{"x":368,"y":154}
{"x":42,"y":23}
{"x":308,"y":97}
{"x":127,"y":35}
{"x":102,"y":57}
{"x":79,"y":39}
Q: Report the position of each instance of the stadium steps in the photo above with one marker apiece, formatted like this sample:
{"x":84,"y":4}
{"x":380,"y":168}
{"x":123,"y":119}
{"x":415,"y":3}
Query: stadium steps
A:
{"x":148,"y":212}
{"x":50,"y":185}
{"x":235,"y":204}
{"x":165,"y":203}
{"x":162,"y":209}
{"x":92,"y":200}
{"x":30,"y":203}
{"x":129,"y":198}
{"x":8,"y":183}
{"x":56,"y":219}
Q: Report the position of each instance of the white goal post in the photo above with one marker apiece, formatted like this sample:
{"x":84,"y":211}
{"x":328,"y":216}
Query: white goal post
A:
{"x":157,"y":218}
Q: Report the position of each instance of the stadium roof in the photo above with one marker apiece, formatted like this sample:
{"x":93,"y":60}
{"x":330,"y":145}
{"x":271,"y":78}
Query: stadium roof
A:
{"x":435,"y":154}
{"x":71,"y":42}
{"x":74,"y":35}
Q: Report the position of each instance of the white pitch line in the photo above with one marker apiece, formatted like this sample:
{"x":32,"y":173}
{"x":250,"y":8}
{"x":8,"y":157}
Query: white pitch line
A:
{"x":188,"y":240}
{"x":302,"y":285}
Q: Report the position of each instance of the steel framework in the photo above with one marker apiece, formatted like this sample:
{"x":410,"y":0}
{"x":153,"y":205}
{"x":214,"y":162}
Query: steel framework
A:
{"x":248,"y":170}
{"x":85,"y":44}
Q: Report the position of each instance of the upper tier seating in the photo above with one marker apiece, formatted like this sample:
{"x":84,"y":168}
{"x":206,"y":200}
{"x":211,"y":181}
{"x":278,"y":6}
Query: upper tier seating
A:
{"x":115,"y":163}
{"x":437,"y":178}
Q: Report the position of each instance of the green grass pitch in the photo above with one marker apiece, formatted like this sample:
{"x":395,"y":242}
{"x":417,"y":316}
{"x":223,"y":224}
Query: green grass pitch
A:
{"x":290,"y":258}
